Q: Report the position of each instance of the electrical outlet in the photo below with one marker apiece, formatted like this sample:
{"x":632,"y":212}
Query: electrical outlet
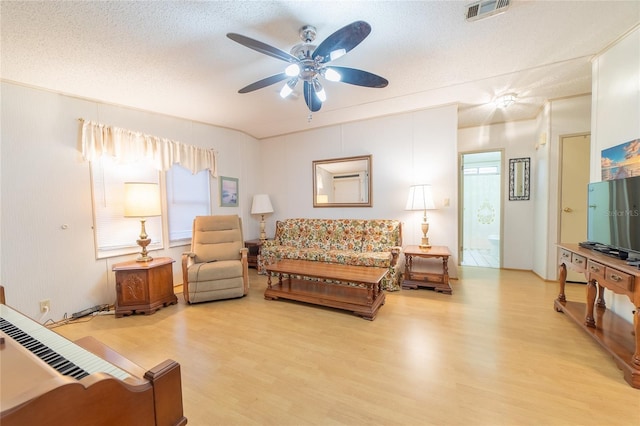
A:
{"x":45,"y":305}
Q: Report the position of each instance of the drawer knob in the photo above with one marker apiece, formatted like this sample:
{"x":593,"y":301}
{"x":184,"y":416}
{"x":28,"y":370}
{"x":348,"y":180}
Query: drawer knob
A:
{"x":595,"y":269}
{"x":615,"y":277}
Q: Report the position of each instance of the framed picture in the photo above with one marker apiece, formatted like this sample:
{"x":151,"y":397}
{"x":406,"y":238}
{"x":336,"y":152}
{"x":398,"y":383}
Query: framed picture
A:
{"x":228,"y":191}
{"x":621,"y":161}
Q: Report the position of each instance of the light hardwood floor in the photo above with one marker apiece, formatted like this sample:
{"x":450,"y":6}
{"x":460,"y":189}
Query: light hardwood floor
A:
{"x":493,"y":353}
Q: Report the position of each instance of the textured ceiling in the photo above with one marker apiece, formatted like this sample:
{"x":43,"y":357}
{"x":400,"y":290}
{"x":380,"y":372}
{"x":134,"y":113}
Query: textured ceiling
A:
{"x":173,"y":57}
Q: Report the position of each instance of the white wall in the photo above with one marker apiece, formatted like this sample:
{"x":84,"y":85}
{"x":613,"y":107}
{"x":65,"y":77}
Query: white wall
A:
{"x":517,"y":140}
{"x":418,"y":147}
{"x":542,"y":166}
{"x":567,"y":117}
{"x":46,"y":184}
{"x":615,"y":116}
{"x":531,"y":227}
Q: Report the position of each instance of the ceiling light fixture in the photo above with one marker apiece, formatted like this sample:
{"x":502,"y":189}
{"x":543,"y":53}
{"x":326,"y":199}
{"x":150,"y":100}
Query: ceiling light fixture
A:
{"x":505,"y":101}
{"x":317,"y":87}
{"x":331,"y":74}
{"x":287,"y":89}
{"x":292,"y":70}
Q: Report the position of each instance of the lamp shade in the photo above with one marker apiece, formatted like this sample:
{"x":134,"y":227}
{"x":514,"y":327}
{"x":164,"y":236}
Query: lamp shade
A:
{"x":141,"y":199}
{"x":261,"y":204}
{"x":420,"y":198}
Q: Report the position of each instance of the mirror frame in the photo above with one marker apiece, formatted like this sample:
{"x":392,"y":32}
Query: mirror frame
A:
{"x":369,"y":180}
{"x":519,"y":178}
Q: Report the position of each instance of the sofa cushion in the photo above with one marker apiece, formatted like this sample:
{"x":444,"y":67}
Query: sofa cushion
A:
{"x":345,"y":234}
{"x":381,"y":235}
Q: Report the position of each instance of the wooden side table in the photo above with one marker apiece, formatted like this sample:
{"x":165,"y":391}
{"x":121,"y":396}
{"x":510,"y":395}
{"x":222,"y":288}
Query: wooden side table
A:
{"x":253,"y":247}
{"x":144,"y":287}
{"x":435,"y":279}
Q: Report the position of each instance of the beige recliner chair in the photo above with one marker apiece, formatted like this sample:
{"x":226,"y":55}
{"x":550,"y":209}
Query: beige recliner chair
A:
{"x":216,"y":267}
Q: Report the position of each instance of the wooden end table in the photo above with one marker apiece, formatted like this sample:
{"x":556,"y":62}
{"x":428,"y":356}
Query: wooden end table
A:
{"x":144,"y":287}
{"x":253,"y":247}
{"x":437,"y":280}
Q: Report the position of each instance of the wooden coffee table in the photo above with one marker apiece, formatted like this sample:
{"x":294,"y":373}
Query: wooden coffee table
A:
{"x":363,"y":300}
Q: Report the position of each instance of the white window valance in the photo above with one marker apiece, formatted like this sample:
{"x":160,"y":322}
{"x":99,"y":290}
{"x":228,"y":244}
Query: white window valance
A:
{"x":129,"y":146}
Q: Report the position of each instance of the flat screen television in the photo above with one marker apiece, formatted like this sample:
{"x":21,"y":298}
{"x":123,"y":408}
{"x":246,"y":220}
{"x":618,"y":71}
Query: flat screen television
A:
{"x":613,"y":218}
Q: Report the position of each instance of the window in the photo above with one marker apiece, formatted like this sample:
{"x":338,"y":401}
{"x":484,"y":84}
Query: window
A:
{"x":116,"y":235}
{"x":188,"y":196}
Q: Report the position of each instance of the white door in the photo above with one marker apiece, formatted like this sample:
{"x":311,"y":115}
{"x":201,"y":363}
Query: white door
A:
{"x":573,"y":193}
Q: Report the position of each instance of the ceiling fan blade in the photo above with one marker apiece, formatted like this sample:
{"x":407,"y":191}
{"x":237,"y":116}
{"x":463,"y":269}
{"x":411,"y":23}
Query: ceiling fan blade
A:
{"x":261,"y":47}
{"x":360,"y":78}
{"x":311,"y":98}
{"x":346,"y":38}
{"x":264,"y":83}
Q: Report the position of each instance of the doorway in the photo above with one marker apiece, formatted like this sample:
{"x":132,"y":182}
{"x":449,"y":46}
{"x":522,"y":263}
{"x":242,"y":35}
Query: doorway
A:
{"x":481,"y":209}
{"x":574,"y":178}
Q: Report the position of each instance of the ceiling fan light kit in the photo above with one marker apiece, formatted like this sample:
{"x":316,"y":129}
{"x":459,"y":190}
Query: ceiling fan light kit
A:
{"x":308,"y":63}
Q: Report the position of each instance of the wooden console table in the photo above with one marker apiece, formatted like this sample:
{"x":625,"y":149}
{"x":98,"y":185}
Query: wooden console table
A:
{"x":363,"y":301}
{"x":437,"y":280}
{"x":620,"y":338}
{"x":144,"y":287}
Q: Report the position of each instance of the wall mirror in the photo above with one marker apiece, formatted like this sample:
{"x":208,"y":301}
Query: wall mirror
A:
{"x":342,"y":182}
{"x":519,"y":179}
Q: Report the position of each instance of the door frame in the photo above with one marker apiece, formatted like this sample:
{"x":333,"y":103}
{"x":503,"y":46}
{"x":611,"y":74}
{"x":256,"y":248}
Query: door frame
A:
{"x":461,"y":200}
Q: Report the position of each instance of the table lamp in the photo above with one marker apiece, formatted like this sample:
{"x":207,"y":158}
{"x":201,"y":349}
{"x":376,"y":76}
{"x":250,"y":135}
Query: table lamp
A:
{"x":142,"y":200}
{"x":261,"y":205}
{"x":421,"y":198}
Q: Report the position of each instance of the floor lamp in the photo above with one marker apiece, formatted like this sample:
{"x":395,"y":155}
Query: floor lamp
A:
{"x":142,"y":200}
{"x":261,"y":205}
{"x":421,"y":198}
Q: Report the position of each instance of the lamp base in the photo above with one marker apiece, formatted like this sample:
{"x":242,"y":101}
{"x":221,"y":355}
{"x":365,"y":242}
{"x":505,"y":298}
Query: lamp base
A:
{"x":144,"y":255}
{"x":424,"y":243}
{"x":263,"y":234}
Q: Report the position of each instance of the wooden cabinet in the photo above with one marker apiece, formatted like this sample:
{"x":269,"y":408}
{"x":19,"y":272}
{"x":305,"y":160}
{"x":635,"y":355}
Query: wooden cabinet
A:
{"x":620,"y":338}
{"x":144,"y":287}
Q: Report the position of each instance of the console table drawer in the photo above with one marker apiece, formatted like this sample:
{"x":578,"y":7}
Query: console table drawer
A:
{"x":579,"y":261}
{"x":596,"y":270}
{"x":565,"y":255}
{"x":619,"y":279}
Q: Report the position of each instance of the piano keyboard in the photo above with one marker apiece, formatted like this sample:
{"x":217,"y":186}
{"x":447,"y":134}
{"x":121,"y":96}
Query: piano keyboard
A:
{"x":61,"y":354}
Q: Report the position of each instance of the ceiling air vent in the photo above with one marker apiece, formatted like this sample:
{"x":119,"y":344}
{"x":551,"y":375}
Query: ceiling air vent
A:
{"x":485,"y":8}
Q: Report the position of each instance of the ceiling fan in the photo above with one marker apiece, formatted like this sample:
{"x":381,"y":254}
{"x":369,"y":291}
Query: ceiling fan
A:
{"x":308,"y":63}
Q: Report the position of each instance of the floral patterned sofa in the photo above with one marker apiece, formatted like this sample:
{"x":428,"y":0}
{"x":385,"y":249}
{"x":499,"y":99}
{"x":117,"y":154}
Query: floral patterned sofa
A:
{"x":364,"y":242}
